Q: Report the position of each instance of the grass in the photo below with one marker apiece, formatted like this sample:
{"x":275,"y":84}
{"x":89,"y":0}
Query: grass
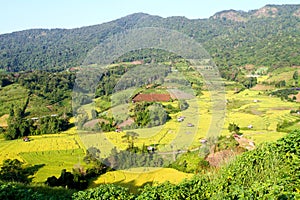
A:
{"x":285,"y":73}
{"x":102,"y":104}
{"x":263,"y":136}
{"x":135,"y":180}
{"x":39,"y":106}
{"x":12,"y":95}
{"x":15,"y":95}
{"x":120,"y":112}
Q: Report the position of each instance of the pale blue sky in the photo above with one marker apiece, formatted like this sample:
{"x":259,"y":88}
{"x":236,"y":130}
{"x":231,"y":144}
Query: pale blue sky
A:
{"x":18,"y":15}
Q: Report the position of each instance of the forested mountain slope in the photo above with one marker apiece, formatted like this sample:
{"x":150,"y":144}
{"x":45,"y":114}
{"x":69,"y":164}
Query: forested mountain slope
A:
{"x":268,"y":36}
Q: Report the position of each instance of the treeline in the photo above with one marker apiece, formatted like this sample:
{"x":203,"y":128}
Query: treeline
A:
{"x":285,"y":93}
{"x":149,"y":55}
{"x":19,"y":126}
{"x":54,"y":87}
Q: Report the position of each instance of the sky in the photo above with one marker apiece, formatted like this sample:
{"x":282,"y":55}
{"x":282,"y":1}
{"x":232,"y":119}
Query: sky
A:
{"x":16,"y":15}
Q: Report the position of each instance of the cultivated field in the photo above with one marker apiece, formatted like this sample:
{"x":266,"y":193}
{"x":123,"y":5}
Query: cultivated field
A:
{"x":246,"y":108}
{"x":135,"y":179}
{"x":55,"y":152}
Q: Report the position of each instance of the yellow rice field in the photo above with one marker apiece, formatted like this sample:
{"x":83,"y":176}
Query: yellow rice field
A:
{"x":133,"y":180}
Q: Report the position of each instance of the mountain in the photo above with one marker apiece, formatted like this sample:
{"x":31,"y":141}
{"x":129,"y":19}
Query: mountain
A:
{"x":267,"y":36}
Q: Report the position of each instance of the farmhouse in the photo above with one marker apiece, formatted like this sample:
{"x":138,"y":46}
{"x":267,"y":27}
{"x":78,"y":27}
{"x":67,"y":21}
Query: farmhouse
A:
{"x":180,"y":119}
{"x":190,"y":125}
{"x":153,"y":97}
{"x":26,"y":139}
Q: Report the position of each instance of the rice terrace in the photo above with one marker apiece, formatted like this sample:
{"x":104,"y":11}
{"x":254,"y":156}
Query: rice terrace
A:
{"x":146,"y":107}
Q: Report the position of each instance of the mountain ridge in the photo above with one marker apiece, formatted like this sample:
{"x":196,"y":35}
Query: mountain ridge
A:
{"x":230,"y":42}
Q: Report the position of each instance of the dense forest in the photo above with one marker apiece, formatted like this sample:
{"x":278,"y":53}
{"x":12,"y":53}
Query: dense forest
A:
{"x":268,"y":36}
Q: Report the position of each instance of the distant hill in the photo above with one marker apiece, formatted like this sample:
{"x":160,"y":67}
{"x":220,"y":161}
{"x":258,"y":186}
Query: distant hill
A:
{"x":268,"y":36}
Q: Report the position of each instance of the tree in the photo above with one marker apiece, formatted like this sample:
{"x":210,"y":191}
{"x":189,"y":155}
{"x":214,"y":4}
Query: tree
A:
{"x":17,"y":126}
{"x":248,"y":82}
{"x":141,"y":113}
{"x":157,"y":115}
{"x":94,"y":113}
{"x":183,"y":104}
{"x":295,"y":77}
{"x":13,"y":171}
{"x":130,"y":137}
{"x":92,"y":155}
{"x":233,"y":128}
{"x":4,"y":82}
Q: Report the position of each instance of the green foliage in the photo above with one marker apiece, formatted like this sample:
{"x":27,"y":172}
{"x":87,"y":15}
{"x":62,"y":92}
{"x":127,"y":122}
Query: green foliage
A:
{"x":54,"y":87}
{"x":75,"y":180}
{"x":284,"y":93}
{"x":183,"y":105}
{"x":124,"y":76}
{"x":141,"y":113}
{"x":92,"y":155}
{"x":14,"y":171}
{"x":248,"y":82}
{"x":12,"y":96}
{"x":51,"y":124}
{"x":271,"y":171}
{"x":295,"y":76}
{"x":130,"y":136}
{"x":234,"y":128}
{"x":290,"y":143}
{"x":171,"y":109}
{"x":226,"y":142}
{"x":190,"y":162}
{"x":158,"y":116}
{"x":10,"y":191}
{"x":18,"y":126}
{"x":134,"y":157}
{"x":149,"y":56}
{"x":267,"y":172}
{"x":262,"y":41}
{"x":107,"y":126}
{"x":283,"y":126}
{"x":104,"y":192}
{"x":4,"y":82}
{"x":280,"y":84}
{"x":148,"y":114}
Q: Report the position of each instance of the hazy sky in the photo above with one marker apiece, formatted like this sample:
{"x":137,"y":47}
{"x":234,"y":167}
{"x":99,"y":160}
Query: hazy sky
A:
{"x":26,"y":14}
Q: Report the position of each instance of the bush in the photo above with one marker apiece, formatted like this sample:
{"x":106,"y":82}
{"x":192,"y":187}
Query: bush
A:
{"x":106,"y":191}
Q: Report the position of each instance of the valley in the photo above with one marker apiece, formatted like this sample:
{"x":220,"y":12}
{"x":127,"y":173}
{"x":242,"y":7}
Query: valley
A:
{"x":220,"y":121}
